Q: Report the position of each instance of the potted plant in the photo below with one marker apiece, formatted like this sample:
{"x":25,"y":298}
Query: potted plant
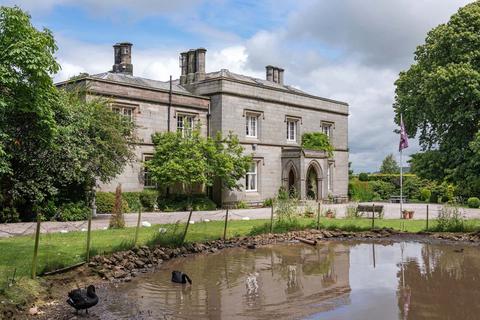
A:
{"x":408,"y":214}
{"x":330,"y":214}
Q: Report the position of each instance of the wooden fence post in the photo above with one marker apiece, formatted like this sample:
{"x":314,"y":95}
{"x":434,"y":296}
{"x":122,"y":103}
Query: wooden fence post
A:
{"x":319,"y":210}
{"x":35,"y":249}
{"x":139,"y":219}
{"x":271,"y":218}
{"x":427,"y":217}
{"x":373,"y":216}
{"x":89,"y":230}
{"x":225,"y":227}
{"x":186,"y":227}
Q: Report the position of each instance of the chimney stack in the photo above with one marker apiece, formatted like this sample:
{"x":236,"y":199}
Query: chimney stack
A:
{"x":192,"y":65}
{"x":123,"y":58}
{"x":274,"y":74}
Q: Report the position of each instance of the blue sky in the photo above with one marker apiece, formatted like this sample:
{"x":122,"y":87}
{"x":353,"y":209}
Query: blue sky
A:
{"x":349,"y":50}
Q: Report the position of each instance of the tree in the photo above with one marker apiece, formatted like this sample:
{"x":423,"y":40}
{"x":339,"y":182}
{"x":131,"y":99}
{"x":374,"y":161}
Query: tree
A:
{"x":196,"y":160}
{"x":439,"y":96}
{"x":389,"y":165}
{"x":53,"y":143}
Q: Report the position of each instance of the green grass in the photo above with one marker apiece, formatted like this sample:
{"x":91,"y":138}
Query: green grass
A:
{"x":60,"y":250}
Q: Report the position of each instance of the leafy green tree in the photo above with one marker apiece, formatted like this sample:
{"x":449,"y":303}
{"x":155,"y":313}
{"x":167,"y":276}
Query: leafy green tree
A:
{"x":52,"y":143}
{"x":439,"y":96}
{"x":389,"y":165}
{"x":195,"y":160}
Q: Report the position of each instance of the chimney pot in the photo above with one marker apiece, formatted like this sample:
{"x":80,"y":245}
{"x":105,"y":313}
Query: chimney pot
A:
{"x":269,"y":72}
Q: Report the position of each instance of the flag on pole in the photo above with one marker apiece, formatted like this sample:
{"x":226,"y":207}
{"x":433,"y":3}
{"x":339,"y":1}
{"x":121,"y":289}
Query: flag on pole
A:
{"x":403,"y":136}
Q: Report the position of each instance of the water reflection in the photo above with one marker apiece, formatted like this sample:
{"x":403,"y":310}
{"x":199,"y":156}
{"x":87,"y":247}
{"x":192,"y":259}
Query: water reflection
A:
{"x":348,"y":280}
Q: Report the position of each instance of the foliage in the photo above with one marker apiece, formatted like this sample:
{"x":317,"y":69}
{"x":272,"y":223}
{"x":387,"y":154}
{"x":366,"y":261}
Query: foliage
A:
{"x":360,"y":190}
{"x":117,"y":221}
{"x":181,"y":202}
{"x":281,"y":226}
{"x":241,"y":205}
{"x":196,"y":160}
{"x":352,"y":212}
{"x":425,"y":194}
{"x":382,"y":189}
{"x":105,"y":201}
{"x":439,"y":97}
{"x":132,"y":199}
{"x":148,"y":199}
{"x":317,"y":141}
{"x":8,"y":215}
{"x":267,"y":203}
{"x":76,"y":211}
{"x":172,"y":237}
{"x":363,"y":176}
{"x":450,"y":219}
{"x":473,"y":202}
{"x":52,"y":143}
{"x":389,"y":165}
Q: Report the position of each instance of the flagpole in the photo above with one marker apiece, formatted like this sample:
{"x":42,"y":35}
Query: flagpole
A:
{"x":401,"y":171}
{"x":401,"y":183}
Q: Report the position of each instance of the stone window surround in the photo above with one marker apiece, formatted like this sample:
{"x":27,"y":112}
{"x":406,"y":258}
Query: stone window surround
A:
{"x":194,"y":115}
{"x":330,"y":124}
{"x":297,"y":120}
{"x":121,"y":106}
{"x":254,"y":113}
{"x":260,"y":162}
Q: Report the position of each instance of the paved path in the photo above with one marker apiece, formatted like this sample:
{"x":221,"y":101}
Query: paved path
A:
{"x":391,"y":211}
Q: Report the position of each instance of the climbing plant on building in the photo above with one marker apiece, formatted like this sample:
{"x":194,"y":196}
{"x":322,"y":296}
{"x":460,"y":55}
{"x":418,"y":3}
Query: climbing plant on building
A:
{"x":317,"y":141}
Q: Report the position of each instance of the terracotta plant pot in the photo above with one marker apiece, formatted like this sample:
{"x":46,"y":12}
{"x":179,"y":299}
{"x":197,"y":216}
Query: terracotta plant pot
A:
{"x":410,"y":214}
{"x":330,"y":215}
{"x":406,"y":215}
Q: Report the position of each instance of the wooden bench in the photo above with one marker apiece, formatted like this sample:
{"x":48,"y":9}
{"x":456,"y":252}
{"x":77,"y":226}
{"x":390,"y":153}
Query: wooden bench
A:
{"x":370,"y":208}
{"x":396,"y":199}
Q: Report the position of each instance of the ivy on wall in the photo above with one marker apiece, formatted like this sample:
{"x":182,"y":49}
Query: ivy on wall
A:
{"x":317,"y":141}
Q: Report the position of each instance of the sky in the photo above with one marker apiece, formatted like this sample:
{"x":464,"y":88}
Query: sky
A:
{"x":349,"y":50}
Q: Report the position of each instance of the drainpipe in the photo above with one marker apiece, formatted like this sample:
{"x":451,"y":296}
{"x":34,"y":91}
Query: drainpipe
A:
{"x":169,"y":104}
{"x":208,"y":120}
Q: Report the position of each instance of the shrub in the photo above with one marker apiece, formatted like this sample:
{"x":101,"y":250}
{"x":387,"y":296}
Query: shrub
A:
{"x":148,"y":199}
{"x":450,"y":219}
{"x":425,"y":194}
{"x":361,"y":191}
{"x":473,"y":202}
{"x":241,"y":205}
{"x":105,"y":202}
{"x":133,"y":201}
{"x":363,"y":176}
{"x":75,"y":211}
{"x":382,"y":190}
{"x":9,"y":215}
{"x":267,"y":203}
{"x":317,"y":141}
{"x":117,"y":220}
{"x":182,"y":203}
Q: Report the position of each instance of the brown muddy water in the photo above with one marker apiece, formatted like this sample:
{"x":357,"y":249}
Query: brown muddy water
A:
{"x":334,"y":280}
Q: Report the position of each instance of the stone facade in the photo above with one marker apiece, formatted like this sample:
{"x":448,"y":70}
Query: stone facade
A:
{"x":258,"y":111}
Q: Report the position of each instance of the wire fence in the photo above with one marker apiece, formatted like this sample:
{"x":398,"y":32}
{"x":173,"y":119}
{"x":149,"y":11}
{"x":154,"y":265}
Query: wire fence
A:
{"x":32,"y":249}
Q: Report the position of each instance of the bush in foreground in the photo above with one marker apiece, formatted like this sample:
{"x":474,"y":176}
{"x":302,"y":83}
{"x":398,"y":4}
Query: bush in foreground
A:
{"x":473,"y":202}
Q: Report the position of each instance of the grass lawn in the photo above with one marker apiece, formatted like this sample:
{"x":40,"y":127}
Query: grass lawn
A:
{"x":58,"y":250}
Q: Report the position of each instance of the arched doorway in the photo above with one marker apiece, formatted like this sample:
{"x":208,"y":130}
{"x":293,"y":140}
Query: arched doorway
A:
{"x":292,"y":190}
{"x":313,"y":182}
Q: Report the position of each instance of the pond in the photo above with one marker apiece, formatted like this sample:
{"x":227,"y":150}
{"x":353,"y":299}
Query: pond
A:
{"x":334,"y":280}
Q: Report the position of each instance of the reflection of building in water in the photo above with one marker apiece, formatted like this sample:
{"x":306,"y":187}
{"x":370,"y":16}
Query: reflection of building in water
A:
{"x":441,"y":284}
{"x":292,"y":282}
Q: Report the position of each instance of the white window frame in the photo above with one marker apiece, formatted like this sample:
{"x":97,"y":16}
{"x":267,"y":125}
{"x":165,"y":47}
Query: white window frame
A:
{"x":292,"y":124}
{"x":252,"y":175}
{"x":146,"y":173}
{"x":330,"y":177}
{"x":182,"y":120}
{"x":251,"y":125}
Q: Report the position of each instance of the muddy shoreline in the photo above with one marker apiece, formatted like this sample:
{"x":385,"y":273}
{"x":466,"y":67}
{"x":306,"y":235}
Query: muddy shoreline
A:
{"x":104,"y":271}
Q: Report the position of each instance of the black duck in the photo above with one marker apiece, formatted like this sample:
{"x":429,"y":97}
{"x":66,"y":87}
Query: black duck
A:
{"x":180,"y":277}
{"x":81,"y":299}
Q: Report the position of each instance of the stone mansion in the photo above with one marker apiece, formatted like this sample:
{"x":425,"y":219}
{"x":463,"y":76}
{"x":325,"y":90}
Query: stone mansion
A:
{"x":268,"y":116}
